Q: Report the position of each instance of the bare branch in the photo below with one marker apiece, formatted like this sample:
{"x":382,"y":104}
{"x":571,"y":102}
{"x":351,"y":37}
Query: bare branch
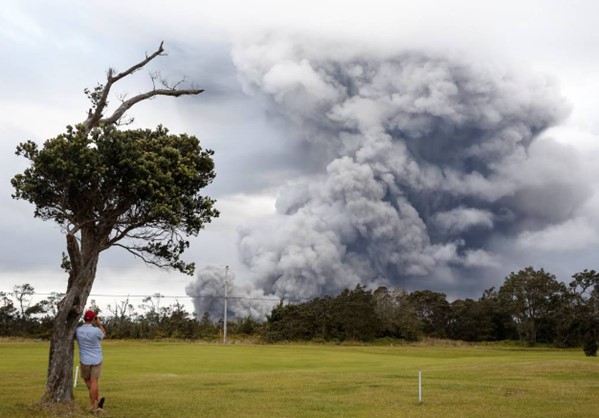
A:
{"x":148,"y":234}
{"x":126,"y":122}
{"x":174,"y":86}
{"x":154,"y":75}
{"x":126,"y":105}
{"x":139,"y":65}
{"x":95,"y":115}
{"x":141,"y":256}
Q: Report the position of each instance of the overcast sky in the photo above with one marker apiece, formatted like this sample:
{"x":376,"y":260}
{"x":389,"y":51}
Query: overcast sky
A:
{"x":425,"y":145}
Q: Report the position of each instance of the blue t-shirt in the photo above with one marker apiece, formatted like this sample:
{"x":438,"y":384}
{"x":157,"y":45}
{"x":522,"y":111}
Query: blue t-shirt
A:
{"x":90,"y":351}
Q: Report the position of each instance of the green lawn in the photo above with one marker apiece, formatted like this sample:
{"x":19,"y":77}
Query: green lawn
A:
{"x":164,"y":379}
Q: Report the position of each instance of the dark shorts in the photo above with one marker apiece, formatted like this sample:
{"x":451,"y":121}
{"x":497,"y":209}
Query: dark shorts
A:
{"x":90,"y":371}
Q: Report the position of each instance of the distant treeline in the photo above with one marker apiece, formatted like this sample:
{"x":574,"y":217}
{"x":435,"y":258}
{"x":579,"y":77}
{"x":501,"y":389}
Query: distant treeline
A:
{"x":149,"y":320}
{"x":531,"y":306}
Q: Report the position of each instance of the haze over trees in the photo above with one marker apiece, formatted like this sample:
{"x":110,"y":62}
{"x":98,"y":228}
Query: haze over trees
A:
{"x":135,"y":189}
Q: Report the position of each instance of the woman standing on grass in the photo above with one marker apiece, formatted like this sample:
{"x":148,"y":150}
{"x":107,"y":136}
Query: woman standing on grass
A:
{"x":90,"y":356}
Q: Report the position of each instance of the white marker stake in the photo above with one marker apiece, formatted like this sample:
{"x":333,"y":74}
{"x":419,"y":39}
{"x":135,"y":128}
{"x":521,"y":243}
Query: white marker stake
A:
{"x":419,"y":385}
{"x":76,"y":376}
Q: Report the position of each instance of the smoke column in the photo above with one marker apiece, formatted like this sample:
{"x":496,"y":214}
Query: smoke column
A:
{"x":419,"y":165}
{"x":243,"y":301}
{"x":419,"y":168}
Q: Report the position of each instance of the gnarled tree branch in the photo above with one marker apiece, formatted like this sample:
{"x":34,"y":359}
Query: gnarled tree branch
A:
{"x":127,"y":104}
{"x":95,"y":116}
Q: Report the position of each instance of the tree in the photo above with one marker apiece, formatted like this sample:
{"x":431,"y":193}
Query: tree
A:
{"x":466,"y":322}
{"x":397,"y":314}
{"x":120,"y":323}
{"x":354,"y":314}
{"x":206,"y":328}
{"x":22,"y":295}
{"x":290,"y":322}
{"x":51,"y":303}
{"x":531,"y":297}
{"x":432,"y":310}
{"x":585,"y":296}
{"x":493,"y":312}
{"x":480,"y":320}
{"x":134,"y":189}
{"x":7,"y":314}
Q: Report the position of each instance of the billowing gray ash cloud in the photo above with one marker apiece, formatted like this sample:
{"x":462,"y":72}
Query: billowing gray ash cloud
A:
{"x":417,"y":167}
{"x":243,"y":301}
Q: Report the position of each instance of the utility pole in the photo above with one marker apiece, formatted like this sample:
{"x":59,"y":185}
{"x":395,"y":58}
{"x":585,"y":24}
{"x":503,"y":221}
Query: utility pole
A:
{"x":225,"y":321}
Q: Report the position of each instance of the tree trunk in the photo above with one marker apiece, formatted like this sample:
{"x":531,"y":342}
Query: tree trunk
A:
{"x":531,"y":332}
{"x":59,"y":383}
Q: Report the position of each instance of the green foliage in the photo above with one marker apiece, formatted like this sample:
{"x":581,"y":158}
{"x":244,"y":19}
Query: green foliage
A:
{"x":484,"y":319}
{"x":354,"y":316}
{"x":95,"y":96}
{"x":7,"y":313}
{"x":531,"y":305}
{"x":397,"y":314}
{"x":22,"y":294}
{"x":467,"y":323}
{"x":589,"y":345}
{"x":433,"y":312}
{"x":246,"y":326}
{"x":29,"y":321}
{"x":583,"y":310}
{"x":349,"y":316}
{"x":532,"y":298}
{"x":138,"y":189}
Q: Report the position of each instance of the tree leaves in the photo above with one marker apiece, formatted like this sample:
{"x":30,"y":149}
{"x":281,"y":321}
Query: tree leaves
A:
{"x":138,"y":188}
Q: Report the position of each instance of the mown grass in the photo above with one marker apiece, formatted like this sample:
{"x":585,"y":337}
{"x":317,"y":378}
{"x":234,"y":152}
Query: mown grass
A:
{"x":170,"y":379}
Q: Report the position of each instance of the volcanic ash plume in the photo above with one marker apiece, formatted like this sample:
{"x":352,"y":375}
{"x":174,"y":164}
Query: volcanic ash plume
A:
{"x":420,"y":163}
{"x":208,"y":293}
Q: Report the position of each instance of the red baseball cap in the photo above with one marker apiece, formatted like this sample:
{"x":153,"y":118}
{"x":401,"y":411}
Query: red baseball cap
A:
{"x":89,"y":316}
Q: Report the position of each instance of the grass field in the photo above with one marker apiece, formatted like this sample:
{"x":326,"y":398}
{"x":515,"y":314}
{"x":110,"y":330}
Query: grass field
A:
{"x":169,"y":379}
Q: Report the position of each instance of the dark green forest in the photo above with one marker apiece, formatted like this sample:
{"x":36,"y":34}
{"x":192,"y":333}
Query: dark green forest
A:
{"x":531,"y":307}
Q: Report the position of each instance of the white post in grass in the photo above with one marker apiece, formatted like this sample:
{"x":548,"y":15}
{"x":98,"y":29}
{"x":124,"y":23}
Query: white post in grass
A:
{"x":76,"y":377}
{"x":225,"y":321}
{"x":419,"y":385}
